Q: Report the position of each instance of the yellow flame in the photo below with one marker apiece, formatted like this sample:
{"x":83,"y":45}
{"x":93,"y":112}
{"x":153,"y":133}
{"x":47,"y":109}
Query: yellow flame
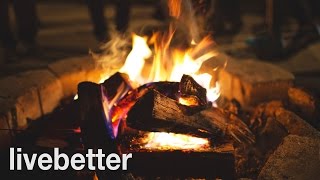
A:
{"x":136,"y":58}
{"x":170,"y":64}
{"x":165,"y":141}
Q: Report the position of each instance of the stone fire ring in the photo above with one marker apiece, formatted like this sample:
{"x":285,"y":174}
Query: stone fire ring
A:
{"x":32,"y":94}
{"x":29,"y":95}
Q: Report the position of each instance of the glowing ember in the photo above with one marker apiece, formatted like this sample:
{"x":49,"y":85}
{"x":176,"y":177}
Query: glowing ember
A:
{"x":189,"y":101}
{"x":171,"y":141}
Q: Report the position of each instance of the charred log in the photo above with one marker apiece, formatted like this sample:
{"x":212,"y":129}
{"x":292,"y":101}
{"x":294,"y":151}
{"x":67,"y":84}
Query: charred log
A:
{"x":156,"y":112}
{"x":96,"y":127}
{"x":113,"y":83}
{"x":94,"y":131}
{"x":190,"y":88}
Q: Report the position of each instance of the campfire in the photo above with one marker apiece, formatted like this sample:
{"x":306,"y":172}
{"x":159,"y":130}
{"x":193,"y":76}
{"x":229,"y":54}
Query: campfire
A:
{"x":164,"y":106}
{"x":162,"y":101}
{"x":170,"y":100}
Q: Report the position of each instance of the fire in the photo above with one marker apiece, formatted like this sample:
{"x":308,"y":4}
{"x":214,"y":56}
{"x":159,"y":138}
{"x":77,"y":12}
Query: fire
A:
{"x":189,"y":101}
{"x":136,"y":59}
{"x":170,"y":63}
{"x":171,"y":141}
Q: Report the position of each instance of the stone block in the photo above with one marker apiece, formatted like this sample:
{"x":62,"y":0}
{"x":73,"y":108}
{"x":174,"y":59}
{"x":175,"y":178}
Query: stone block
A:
{"x":29,"y":95}
{"x":20,"y":98}
{"x":49,"y":90}
{"x":294,"y":124}
{"x":296,"y":158}
{"x":6,"y":139}
{"x":252,"y":82}
{"x":27,"y":107}
{"x":314,"y":50}
{"x":305,"y":104}
{"x":71,"y":71}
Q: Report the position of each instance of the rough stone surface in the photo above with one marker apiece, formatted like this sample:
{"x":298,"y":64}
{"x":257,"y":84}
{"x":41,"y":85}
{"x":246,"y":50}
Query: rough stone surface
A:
{"x":29,"y":95}
{"x":5,"y":104}
{"x":49,"y":90}
{"x":304,"y":61}
{"x":72,"y":71}
{"x":294,"y":124}
{"x":305,"y":104}
{"x":314,"y":50}
{"x":252,"y":82}
{"x":296,"y":158}
{"x":5,"y":133}
{"x":20,"y":99}
{"x":27,"y":107}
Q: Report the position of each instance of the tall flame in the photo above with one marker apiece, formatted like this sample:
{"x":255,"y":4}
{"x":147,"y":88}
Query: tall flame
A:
{"x":136,"y":58}
{"x":170,"y":63}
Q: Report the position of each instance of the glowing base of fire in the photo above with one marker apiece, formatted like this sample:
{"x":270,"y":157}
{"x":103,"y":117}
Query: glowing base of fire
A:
{"x":172,"y":141}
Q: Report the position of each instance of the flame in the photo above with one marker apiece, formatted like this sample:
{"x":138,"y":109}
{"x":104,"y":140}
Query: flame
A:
{"x":136,"y":58}
{"x":171,"y":141}
{"x":170,"y":64}
{"x":174,"y":8}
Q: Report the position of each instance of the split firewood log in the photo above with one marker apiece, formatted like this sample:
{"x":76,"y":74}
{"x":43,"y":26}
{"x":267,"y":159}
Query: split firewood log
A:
{"x":156,"y":112}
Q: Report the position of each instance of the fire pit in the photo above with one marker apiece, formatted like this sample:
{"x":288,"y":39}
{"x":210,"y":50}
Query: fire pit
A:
{"x":144,"y":121}
{"x":183,"y":118}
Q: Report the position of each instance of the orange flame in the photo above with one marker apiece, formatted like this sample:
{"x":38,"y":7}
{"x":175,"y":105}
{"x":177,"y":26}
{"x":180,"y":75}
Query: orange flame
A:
{"x":170,"y":64}
{"x":174,"y":8}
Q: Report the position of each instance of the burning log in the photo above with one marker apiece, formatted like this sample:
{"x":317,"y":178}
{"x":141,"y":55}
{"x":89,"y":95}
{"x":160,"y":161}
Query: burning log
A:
{"x":124,"y":105}
{"x":189,"y":87}
{"x":156,"y":112}
{"x":94,"y":131}
{"x":115,"y":82}
{"x":97,"y":129}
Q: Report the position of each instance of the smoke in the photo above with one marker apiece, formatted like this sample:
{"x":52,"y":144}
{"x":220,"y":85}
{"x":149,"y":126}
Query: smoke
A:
{"x":184,"y":12}
{"x":113,"y":53}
